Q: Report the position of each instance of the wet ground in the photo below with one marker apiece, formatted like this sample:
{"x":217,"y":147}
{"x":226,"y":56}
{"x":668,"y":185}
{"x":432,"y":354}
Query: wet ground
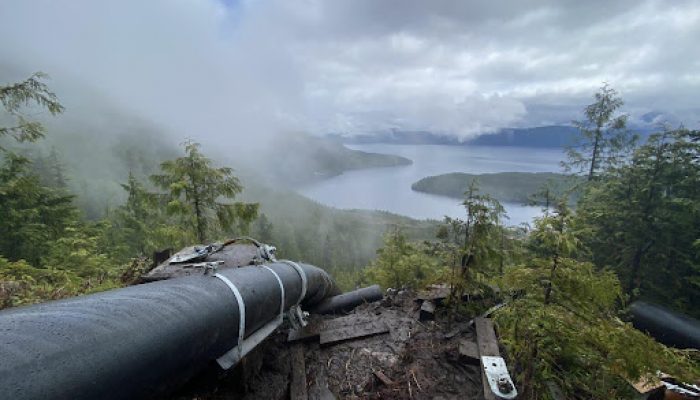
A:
{"x":413,"y":360}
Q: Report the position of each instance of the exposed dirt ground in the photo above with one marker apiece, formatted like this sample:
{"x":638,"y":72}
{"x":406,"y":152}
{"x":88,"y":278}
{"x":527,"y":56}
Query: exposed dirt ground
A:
{"x":414,"y":360}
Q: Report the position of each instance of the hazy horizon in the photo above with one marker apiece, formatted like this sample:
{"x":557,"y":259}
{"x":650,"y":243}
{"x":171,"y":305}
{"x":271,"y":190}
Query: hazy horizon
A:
{"x":215,"y":70}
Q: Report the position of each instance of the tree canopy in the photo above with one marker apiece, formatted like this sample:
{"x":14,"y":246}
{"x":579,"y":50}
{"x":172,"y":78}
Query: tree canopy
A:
{"x":201,"y":193}
{"x":604,"y":138}
{"x":30,"y":92}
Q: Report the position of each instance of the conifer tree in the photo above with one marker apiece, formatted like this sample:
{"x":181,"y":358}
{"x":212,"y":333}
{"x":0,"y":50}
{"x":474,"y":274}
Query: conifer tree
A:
{"x":201,"y":194}
{"x":31,"y":215}
{"x":604,"y":138}
{"x":643,"y":220}
{"x":28,"y":93}
{"x":483,"y":218}
{"x":561,"y":325}
{"x":56,"y":170}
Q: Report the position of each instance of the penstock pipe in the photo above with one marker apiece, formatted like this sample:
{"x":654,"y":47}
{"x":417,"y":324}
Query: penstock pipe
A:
{"x":667,"y":326}
{"x":146,"y":340}
{"x":349,"y":300}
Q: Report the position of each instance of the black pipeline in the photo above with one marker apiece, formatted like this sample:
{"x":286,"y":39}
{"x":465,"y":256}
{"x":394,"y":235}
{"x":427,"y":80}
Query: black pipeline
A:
{"x":148,"y":339}
{"x":348,"y":301}
{"x":668,"y":327}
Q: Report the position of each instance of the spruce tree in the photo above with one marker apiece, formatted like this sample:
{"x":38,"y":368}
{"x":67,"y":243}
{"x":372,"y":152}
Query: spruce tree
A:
{"x":604,"y":137}
{"x":15,"y":97}
{"x":201,"y":194}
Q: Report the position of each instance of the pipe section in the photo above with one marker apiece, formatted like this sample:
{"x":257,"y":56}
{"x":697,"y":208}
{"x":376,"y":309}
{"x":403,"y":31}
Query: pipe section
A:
{"x":144,"y":340}
{"x":666,"y":326}
{"x":349,"y":300}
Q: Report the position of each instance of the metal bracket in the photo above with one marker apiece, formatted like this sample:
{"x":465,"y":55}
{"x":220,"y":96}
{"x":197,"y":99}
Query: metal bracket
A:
{"x":244,"y":346}
{"x":297,"y":317}
{"x":266,"y":253}
{"x":233,"y":356}
{"x":210,"y":268}
{"x":498,"y":377}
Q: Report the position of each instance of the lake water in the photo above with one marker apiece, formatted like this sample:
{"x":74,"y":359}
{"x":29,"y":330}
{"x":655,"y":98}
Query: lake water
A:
{"x":389,"y":188}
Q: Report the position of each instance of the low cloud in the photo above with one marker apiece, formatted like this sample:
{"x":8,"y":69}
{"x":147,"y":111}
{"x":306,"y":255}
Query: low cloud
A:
{"x":213,"y":69}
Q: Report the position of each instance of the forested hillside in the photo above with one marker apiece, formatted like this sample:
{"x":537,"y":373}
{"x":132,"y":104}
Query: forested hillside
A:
{"x":83,"y":211}
{"x":300,"y":158}
{"x":81,"y":214}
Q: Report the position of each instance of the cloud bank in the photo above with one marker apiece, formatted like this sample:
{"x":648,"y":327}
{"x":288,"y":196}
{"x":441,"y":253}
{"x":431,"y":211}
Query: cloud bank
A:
{"x":211,"y":69}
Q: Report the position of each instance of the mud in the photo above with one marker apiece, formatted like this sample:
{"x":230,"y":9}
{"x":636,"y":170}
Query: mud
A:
{"x":414,"y":360}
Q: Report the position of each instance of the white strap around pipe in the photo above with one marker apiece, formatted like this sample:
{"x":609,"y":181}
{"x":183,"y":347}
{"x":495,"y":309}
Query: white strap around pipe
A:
{"x":233,"y":356}
{"x":241,"y":310}
{"x":302,"y":274}
{"x":281,"y":288}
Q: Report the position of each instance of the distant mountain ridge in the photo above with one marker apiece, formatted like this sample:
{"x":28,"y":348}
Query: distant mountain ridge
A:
{"x":553,"y":136}
{"x":317,"y":158}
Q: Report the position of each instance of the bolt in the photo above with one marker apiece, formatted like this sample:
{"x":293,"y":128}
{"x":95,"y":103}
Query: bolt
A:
{"x":504,"y":385}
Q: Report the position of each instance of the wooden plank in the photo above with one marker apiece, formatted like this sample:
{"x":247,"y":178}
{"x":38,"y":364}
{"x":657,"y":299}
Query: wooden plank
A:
{"x":308,"y":332}
{"x":434,"y":293}
{"x":353,"y":332}
{"x":470,"y":351}
{"x":427,"y":311}
{"x":488,"y":346}
{"x":486,"y":337}
{"x":297,"y":388}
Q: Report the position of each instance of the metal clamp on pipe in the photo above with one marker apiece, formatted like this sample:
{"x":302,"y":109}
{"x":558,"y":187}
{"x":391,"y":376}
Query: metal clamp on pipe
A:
{"x":297,"y":316}
{"x":236,"y":354}
{"x":245,"y":345}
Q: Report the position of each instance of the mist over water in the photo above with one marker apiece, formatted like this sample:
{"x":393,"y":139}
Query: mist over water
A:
{"x":389,"y":189}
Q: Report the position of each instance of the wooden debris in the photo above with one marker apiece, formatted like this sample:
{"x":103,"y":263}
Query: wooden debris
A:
{"x":647,"y":384}
{"x":488,"y":346}
{"x":488,"y":312}
{"x":309,"y":332}
{"x":297,"y":387}
{"x":486,"y":338}
{"x":352,"y":332}
{"x":666,"y":387}
{"x":434,"y":293}
{"x":384,"y":379}
{"x":469,"y":351}
{"x":315,"y":326}
{"x":427,"y":311}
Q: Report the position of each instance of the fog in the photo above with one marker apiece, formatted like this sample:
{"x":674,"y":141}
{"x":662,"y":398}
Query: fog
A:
{"x":179,"y":65}
{"x":213,"y":70}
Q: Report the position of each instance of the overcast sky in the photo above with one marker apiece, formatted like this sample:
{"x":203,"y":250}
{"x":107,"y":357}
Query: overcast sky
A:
{"x":213,"y":67}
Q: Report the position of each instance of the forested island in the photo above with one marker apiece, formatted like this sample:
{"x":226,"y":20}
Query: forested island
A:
{"x":513,"y":187}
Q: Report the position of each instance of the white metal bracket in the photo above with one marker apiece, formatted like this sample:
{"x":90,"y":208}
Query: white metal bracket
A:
{"x":498,"y":377}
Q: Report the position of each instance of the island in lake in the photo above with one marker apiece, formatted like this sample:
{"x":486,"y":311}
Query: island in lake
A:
{"x":510,"y":187}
